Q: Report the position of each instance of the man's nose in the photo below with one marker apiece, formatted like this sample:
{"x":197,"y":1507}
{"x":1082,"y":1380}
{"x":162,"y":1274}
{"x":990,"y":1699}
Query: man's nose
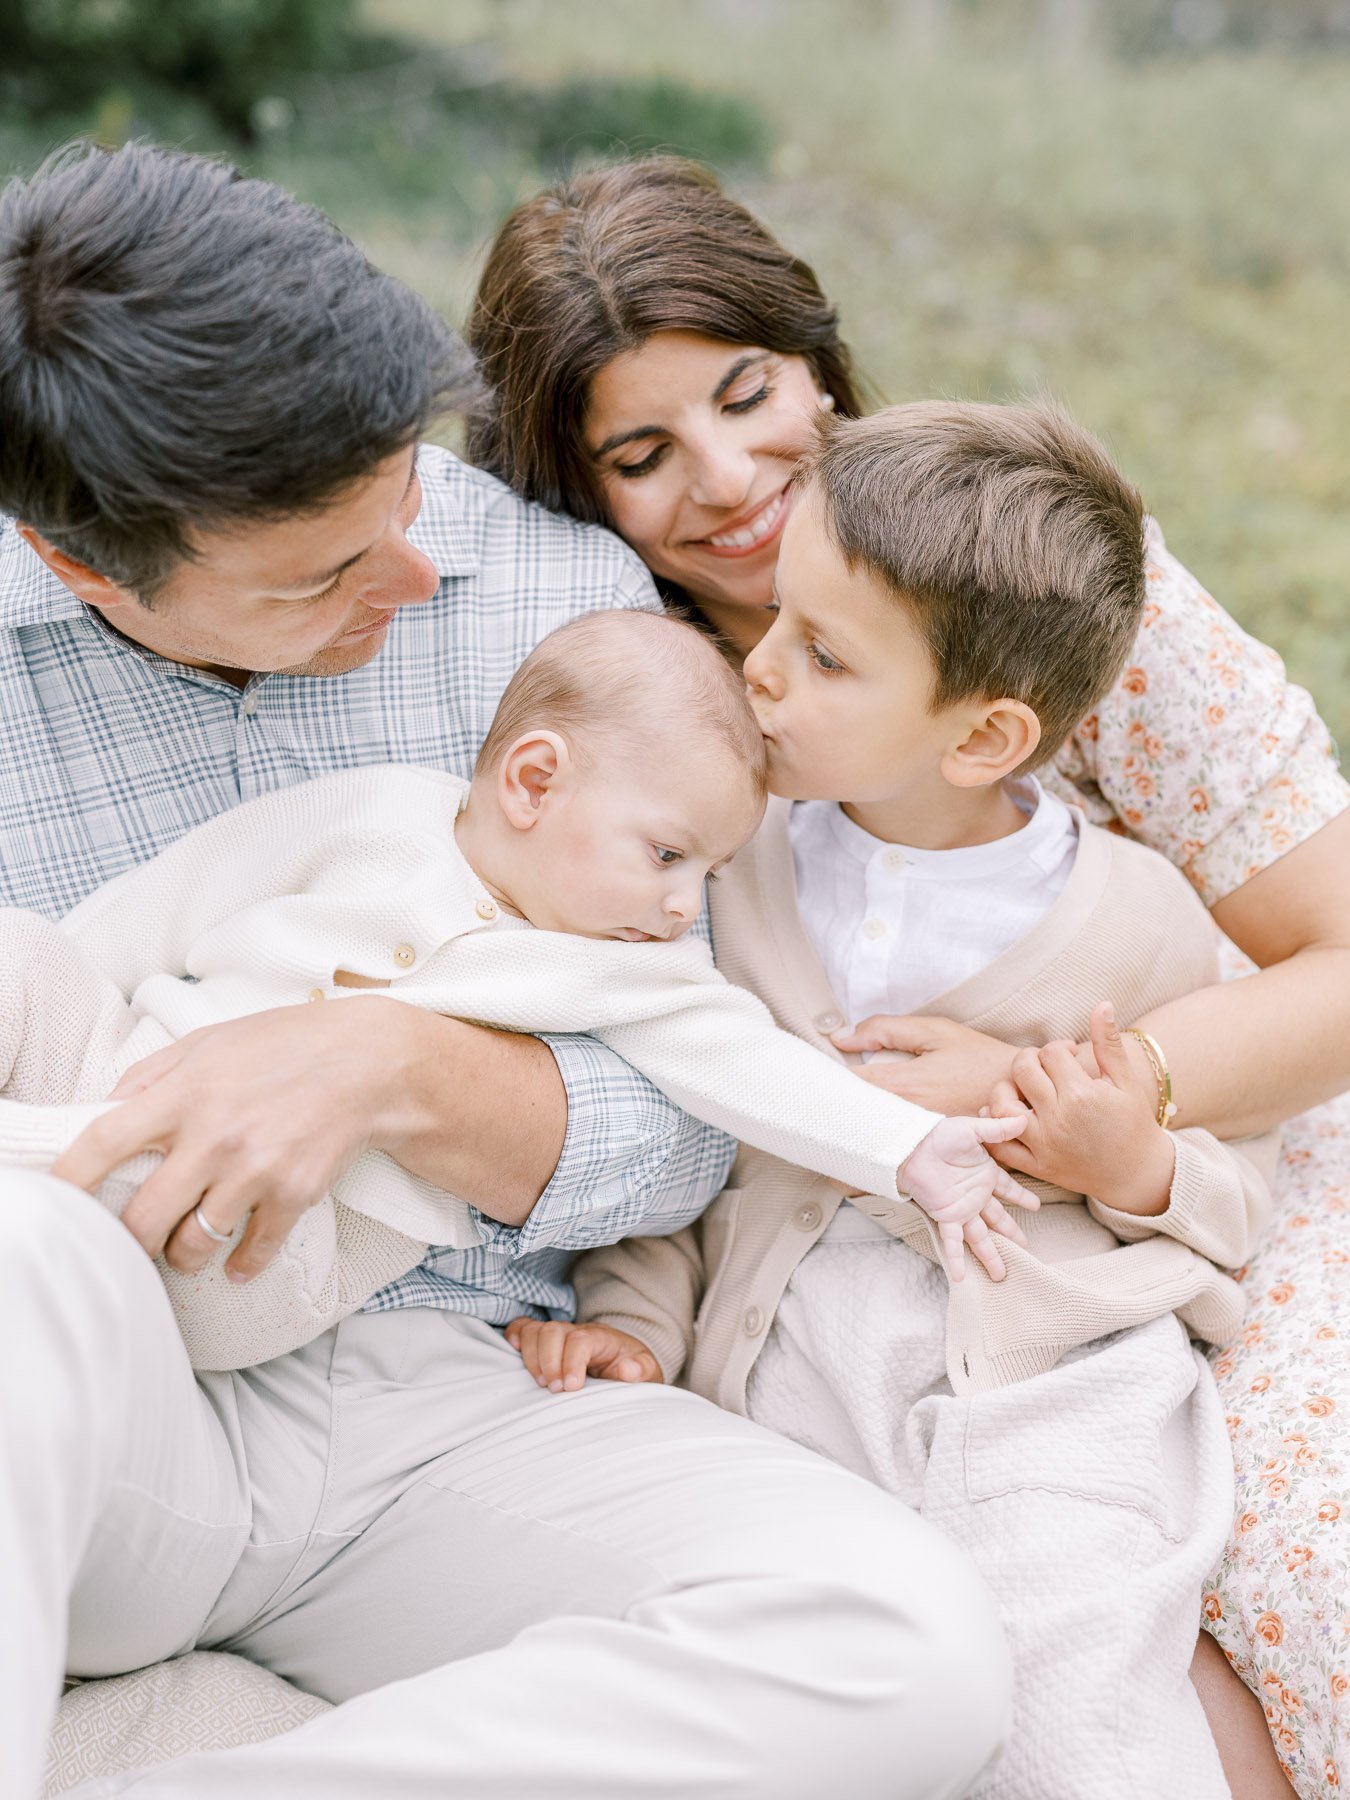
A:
{"x":405,"y":577}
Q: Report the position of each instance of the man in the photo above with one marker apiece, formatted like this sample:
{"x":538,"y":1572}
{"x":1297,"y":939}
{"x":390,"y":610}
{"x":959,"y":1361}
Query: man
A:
{"x":229,"y":568}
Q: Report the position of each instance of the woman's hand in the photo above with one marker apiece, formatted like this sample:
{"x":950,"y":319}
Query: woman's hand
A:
{"x":943,"y":1066}
{"x":1091,"y":1135}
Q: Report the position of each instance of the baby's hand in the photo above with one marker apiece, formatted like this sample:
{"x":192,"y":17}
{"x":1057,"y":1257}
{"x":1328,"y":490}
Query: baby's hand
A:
{"x":959,"y":1185}
{"x":560,"y":1356}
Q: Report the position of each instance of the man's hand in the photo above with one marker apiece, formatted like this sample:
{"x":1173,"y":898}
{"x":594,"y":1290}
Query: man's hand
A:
{"x":560,"y":1356}
{"x":254,"y":1117}
{"x":941,"y":1065}
{"x":952,"y":1176}
{"x":1098,"y":1137}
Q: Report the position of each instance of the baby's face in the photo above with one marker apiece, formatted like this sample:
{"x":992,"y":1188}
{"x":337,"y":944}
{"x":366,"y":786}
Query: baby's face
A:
{"x":627,"y":853}
{"x":842,"y":682}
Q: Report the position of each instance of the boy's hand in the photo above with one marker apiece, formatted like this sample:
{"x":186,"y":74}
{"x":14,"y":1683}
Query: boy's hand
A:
{"x":560,"y":1356}
{"x":1098,"y":1137}
{"x":958,"y":1184}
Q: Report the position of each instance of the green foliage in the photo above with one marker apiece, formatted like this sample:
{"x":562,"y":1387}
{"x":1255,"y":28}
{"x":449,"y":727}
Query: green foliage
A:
{"x":223,"y":54}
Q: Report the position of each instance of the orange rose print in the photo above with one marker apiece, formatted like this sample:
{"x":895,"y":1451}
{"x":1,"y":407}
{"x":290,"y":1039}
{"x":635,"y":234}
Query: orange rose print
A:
{"x":1277,"y":1487}
{"x":1282,"y":1293}
{"x":1297,"y":1557}
{"x":1212,"y":1608}
{"x":1260,"y":1385}
{"x":1319,"y":1405}
{"x":1216,"y":714}
{"x":1339,"y":1685}
{"x":1248,"y":1522}
{"x":1331,"y":1774}
{"x":1134,"y":681}
{"x":1270,"y":1628}
{"x":1199,"y":800}
{"x":1329,"y":1511}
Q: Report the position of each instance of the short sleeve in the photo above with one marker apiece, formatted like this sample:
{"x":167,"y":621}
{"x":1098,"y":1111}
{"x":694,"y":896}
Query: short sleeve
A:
{"x":1203,"y":749}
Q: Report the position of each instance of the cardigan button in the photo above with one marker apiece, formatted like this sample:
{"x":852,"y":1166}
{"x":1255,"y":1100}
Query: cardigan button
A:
{"x":753,"y":1321}
{"x":486,"y":909}
{"x":808,"y":1216}
{"x":828,"y":1021}
{"x":317,"y":994}
{"x":405,"y":956}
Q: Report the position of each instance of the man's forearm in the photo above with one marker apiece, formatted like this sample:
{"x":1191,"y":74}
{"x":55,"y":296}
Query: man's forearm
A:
{"x":480,"y":1113}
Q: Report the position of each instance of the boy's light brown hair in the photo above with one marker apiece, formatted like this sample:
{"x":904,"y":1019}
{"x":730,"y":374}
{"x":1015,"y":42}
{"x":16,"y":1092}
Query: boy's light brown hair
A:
{"x":1011,"y":535}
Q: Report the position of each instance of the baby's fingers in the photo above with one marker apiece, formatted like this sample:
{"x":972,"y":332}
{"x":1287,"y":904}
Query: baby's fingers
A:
{"x":952,"y":1237}
{"x":997,"y":1219}
{"x":985,"y":1250}
{"x":578,"y":1349}
{"x":523,"y":1336}
{"x":1006,"y":1189}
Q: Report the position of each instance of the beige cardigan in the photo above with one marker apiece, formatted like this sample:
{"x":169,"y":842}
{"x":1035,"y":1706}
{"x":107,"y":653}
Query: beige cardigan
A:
{"x":1126,"y":928}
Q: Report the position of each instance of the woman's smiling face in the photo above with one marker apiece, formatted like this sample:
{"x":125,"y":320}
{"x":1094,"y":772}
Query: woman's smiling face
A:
{"x":694,"y":443}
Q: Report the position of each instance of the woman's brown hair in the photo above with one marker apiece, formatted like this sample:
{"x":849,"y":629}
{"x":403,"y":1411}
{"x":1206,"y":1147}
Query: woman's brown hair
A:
{"x":596,"y":265}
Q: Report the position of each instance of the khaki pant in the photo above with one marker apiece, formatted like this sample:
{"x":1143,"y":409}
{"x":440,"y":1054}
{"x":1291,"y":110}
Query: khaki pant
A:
{"x":602,"y":1595}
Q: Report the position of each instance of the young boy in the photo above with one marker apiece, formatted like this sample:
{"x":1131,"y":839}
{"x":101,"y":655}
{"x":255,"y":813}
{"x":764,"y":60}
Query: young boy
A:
{"x":623,"y":768}
{"x":956,"y":586}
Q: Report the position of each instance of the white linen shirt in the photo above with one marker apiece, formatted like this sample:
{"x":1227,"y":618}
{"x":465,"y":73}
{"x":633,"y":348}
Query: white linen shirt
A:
{"x":896,"y":926}
{"x":109,"y":753}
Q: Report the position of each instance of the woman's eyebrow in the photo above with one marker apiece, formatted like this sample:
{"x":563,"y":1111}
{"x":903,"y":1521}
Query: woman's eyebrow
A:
{"x":620,"y":438}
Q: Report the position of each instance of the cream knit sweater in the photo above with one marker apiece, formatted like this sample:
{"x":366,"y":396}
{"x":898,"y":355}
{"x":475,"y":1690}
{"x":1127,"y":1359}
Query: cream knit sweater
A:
{"x":360,"y":873}
{"x":1126,"y":928}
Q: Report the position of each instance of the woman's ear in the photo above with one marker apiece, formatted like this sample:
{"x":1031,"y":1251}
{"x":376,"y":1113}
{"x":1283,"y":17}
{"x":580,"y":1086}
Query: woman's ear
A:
{"x":1003,"y":734}
{"x":536,"y":765}
{"x":94,"y":590}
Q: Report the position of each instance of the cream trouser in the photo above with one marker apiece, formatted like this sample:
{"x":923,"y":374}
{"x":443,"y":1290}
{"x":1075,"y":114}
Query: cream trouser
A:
{"x":615,"y":1593}
{"x":1094,"y":1499}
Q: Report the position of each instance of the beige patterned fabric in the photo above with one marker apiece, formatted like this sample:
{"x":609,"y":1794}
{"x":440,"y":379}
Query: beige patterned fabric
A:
{"x":203,"y":1701}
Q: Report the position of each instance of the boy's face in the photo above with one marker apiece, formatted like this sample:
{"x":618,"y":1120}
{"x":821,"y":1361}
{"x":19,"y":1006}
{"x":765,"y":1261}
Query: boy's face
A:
{"x":841,"y":683}
{"x":624,"y":850}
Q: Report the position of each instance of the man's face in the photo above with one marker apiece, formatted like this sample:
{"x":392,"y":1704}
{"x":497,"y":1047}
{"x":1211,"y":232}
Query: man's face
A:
{"x":310,"y":595}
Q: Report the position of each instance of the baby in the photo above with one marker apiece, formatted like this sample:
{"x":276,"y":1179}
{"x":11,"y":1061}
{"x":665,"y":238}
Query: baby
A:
{"x":553,"y":893}
{"x":956,"y":586}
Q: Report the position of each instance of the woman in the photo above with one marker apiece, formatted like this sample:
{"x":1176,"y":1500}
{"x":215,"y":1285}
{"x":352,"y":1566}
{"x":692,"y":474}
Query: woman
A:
{"x":655,"y":361}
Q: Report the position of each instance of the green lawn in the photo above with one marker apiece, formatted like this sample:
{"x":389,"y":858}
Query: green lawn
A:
{"x":1164,"y":246}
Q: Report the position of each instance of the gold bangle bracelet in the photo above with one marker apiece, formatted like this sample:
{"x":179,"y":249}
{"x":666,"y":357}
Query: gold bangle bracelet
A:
{"x":1153,"y":1050}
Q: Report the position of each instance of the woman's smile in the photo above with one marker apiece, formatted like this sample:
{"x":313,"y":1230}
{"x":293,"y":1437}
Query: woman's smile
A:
{"x":753,"y":531}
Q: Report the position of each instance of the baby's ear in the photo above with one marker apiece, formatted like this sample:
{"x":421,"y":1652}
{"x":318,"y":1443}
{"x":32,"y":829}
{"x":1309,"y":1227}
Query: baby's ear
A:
{"x":1002,"y":735}
{"x":537,"y":765}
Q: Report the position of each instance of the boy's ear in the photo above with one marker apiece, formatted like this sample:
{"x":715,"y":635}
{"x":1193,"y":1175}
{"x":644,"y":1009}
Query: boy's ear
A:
{"x":536,"y":765}
{"x":94,"y":590}
{"x":1003,"y":734}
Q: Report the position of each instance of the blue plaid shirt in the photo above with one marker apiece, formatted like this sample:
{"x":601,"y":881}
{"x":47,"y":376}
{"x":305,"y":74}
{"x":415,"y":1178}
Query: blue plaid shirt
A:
{"x":109,"y":752}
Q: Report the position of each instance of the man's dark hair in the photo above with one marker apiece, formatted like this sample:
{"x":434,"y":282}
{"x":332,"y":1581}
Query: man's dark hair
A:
{"x":1009,"y":533}
{"x":183,"y":349}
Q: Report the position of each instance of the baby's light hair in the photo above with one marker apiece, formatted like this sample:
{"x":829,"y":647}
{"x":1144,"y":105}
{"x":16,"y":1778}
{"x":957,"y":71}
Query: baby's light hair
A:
{"x":633,"y":676}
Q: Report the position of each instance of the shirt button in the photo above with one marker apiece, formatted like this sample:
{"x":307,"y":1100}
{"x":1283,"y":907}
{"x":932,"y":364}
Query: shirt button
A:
{"x":317,"y":994}
{"x":249,"y":705}
{"x":405,"y":956}
{"x":895,"y":859}
{"x":486,"y":909}
{"x":808,"y":1216}
{"x":753,"y":1321}
{"x":874,"y":928}
{"x":827,"y":1021}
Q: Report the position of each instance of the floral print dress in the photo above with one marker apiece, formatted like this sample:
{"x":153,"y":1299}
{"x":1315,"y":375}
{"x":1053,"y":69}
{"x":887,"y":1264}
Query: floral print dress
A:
{"x":1206,"y":752}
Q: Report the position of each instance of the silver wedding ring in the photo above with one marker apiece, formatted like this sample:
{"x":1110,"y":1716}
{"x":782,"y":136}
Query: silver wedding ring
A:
{"x":216,"y":1237}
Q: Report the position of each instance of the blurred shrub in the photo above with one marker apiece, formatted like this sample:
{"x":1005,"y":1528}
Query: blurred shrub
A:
{"x":222,"y":54}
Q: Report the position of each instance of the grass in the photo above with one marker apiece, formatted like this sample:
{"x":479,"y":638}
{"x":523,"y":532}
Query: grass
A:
{"x":1163,"y":245}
